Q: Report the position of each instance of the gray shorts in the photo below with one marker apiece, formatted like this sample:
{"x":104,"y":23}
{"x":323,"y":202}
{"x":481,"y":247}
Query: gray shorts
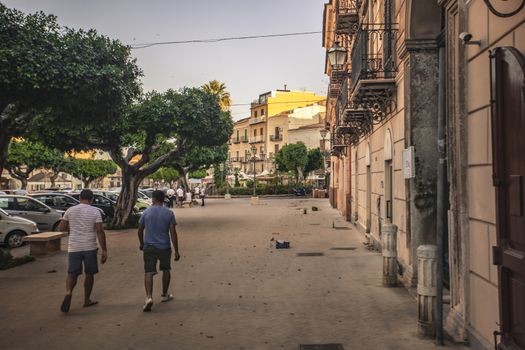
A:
{"x":87,"y":257}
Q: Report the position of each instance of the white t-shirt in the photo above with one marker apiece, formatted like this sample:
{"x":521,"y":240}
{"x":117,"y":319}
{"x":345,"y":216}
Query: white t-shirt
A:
{"x":188,"y":196}
{"x":180,"y":192}
{"x":170,"y":192}
{"x":197,"y":190}
{"x":82,"y":233}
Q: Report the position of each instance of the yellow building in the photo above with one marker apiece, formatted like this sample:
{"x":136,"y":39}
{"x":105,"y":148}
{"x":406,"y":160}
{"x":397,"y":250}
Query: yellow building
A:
{"x":271,"y":116}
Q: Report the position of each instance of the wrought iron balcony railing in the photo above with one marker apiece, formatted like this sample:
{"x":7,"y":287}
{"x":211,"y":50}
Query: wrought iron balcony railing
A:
{"x":236,"y":140}
{"x":373,"y":53}
{"x":278,"y":137}
{"x":257,"y":120}
{"x":244,"y":139}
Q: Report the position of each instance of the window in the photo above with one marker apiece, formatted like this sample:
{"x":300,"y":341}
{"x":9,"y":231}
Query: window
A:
{"x":255,"y":114}
{"x":27,"y":204}
{"x":245,"y":133}
{"x":262,"y":112}
{"x":7,"y":203}
{"x":254,"y":132}
{"x":262,"y":131}
{"x":276,"y":149}
{"x":237,"y":135}
{"x":237,"y":154}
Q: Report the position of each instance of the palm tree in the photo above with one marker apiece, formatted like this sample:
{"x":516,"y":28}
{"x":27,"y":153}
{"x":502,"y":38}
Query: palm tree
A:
{"x":217,"y":88}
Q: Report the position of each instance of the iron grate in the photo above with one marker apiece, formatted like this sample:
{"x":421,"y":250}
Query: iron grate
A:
{"x":321,"y":347}
{"x":310,"y":254}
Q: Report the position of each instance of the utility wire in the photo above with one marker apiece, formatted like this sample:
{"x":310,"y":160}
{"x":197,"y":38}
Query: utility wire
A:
{"x":205,"y":41}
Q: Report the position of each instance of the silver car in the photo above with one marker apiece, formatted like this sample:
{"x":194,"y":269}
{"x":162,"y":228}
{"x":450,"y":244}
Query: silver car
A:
{"x":13,"y":229}
{"x":46,"y":218}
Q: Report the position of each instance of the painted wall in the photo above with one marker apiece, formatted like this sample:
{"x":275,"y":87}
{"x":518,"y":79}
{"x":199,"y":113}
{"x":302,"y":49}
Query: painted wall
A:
{"x":281,"y":101}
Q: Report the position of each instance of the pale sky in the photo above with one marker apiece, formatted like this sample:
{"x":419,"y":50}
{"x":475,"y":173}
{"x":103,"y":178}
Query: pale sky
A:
{"x":247,"y":67}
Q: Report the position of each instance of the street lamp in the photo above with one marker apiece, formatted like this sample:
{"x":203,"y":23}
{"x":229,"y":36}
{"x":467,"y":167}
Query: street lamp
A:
{"x":254,"y":157}
{"x":337,"y":56}
{"x":228,"y":166}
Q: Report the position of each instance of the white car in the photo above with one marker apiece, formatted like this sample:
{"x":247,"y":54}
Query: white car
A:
{"x":13,"y":229}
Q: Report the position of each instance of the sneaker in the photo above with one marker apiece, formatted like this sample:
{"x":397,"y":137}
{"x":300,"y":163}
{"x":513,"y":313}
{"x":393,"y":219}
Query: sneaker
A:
{"x":147,"y":305}
{"x":167,"y":297}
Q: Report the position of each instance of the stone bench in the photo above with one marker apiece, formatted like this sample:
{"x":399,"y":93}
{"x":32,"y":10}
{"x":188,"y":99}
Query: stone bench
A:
{"x":44,"y":243}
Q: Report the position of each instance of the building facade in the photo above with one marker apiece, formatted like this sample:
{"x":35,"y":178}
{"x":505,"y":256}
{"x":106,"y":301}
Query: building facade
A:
{"x":425,"y":115}
{"x":271,"y":118}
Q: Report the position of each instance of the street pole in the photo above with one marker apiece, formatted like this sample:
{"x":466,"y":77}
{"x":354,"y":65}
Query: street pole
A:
{"x":254,"y":178}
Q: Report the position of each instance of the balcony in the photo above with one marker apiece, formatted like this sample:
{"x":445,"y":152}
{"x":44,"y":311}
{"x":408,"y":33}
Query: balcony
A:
{"x":257,"y":120}
{"x":244,"y":139}
{"x":374,"y":71}
{"x":276,"y":138}
{"x":347,"y":16}
{"x":257,"y":139}
{"x":236,"y":140}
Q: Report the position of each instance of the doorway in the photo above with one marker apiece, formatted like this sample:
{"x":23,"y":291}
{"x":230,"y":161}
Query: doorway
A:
{"x":508,"y":128}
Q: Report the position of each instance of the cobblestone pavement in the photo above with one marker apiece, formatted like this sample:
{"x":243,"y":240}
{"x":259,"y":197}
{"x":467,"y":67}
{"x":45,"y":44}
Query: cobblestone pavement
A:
{"x":233,"y":289}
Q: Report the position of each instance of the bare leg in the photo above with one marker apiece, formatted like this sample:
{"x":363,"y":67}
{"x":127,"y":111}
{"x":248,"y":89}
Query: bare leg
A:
{"x":89,"y":280}
{"x":148,"y":284}
{"x":71,"y":282}
{"x":166,"y":278}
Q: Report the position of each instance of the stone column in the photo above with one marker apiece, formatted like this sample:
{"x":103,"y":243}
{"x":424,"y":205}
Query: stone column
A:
{"x":389,"y":251}
{"x":426,"y":289}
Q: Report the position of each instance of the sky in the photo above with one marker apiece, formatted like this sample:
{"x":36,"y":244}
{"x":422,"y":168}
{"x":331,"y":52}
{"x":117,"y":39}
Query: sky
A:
{"x":247,"y":67}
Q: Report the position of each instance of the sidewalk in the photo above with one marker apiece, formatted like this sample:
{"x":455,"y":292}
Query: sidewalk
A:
{"x":233,"y":290}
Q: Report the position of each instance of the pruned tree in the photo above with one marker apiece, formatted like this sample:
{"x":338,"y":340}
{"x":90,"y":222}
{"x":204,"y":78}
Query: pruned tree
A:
{"x":315,"y":160}
{"x":51,"y":76}
{"x":89,"y":170}
{"x":166,"y":174}
{"x":25,"y":156}
{"x":293,"y":157}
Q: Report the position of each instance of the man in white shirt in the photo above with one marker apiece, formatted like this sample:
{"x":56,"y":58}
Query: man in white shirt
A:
{"x":180,"y":196}
{"x":84,"y":224}
{"x":197,"y":192}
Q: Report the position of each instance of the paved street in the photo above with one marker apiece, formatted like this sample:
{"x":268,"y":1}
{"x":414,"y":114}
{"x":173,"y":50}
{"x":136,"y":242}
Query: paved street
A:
{"x":233,"y":290}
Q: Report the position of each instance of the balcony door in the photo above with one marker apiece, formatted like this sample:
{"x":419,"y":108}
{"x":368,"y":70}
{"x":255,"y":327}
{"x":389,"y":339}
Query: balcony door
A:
{"x":508,"y":125}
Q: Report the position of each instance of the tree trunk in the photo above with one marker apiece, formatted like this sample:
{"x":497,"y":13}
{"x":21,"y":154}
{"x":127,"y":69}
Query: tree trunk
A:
{"x":4,"y":147}
{"x":128,"y":195}
{"x":86,"y":182}
{"x":23,"y":180}
{"x":183,"y":177}
{"x":53,"y":179}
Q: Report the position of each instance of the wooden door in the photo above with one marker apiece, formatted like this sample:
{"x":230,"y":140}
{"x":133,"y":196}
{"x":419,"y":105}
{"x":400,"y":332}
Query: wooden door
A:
{"x":508,"y":125}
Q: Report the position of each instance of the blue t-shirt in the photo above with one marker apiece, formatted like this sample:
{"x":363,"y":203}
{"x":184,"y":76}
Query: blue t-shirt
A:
{"x":157,"y":220}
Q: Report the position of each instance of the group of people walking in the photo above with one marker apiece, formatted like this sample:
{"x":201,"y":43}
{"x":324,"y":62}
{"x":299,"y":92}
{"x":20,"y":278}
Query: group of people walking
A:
{"x":180,"y":196}
{"x":156,"y":235}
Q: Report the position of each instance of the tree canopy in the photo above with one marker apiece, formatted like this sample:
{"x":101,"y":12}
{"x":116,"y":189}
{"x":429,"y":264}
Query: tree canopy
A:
{"x":54,"y":76}
{"x":315,"y":160}
{"x":25,"y":156}
{"x":299,"y":160}
{"x":166,"y":174}
{"x":89,"y":170}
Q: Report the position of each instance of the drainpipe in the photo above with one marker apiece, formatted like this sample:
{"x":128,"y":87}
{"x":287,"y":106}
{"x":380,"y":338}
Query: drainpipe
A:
{"x":441,"y":187}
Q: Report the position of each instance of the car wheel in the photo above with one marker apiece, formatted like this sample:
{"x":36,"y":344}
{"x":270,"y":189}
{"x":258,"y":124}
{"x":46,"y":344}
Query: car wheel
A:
{"x":15,"y":239}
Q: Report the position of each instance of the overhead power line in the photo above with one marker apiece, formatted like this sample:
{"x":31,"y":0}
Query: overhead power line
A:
{"x":206,"y":41}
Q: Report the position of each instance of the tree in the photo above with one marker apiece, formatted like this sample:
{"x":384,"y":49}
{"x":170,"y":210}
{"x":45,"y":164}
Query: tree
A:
{"x":25,"y":156}
{"x":315,"y":160}
{"x":89,"y":170}
{"x":217,"y":88}
{"x":155,"y":131}
{"x":293,"y":157}
{"x":200,"y":158}
{"x":52,"y":76}
{"x":166,"y":174}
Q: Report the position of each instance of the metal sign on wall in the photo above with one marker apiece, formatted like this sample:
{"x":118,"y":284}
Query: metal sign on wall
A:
{"x":408,"y":163}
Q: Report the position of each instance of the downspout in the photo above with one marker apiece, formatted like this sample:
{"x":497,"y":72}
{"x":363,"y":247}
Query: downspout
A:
{"x":441,"y":183}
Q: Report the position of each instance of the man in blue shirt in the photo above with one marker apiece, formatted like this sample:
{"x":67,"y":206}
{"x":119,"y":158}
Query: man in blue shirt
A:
{"x":159,"y":223}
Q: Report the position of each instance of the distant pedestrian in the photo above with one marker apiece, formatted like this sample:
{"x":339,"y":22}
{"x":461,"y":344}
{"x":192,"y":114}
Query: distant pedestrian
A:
{"x":180,"y":196}
{"x":189,"y":198}
{"x":197,"y":192}
{"x":159,"y":223}
{"x":202,"y":195}
{"x":84,"y":224}
{"x":171,"y":197}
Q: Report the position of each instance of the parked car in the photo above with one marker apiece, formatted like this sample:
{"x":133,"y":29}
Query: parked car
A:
{"x":46,"y":218}
{"x":19,"y":192}
{"x":60,"y":201}
{"x":14,"y":228}
{"x":101,"y":202}
{"x":140,"y":205}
